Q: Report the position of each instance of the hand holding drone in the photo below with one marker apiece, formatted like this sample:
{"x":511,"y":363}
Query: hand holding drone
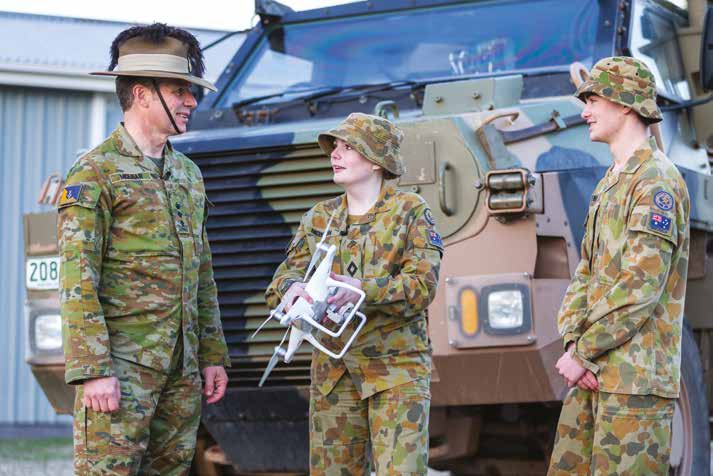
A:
{"x":303,"y":320}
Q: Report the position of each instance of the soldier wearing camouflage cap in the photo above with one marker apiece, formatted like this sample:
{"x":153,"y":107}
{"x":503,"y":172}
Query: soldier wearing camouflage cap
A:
{"x":138,"y":299}
{"x":622,"y":314}
{"x":376,"y":399}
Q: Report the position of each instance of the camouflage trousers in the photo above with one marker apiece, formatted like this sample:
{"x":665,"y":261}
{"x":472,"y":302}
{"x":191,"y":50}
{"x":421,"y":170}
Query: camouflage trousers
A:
{"x":152,"y":433}
{"x":612,"y":434}
{"x":390,"y":427}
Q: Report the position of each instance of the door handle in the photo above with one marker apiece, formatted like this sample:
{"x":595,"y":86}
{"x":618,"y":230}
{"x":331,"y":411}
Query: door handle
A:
{"x":442,"y":198}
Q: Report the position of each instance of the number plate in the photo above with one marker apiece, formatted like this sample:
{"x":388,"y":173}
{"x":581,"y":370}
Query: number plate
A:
{"x":42,"y":273}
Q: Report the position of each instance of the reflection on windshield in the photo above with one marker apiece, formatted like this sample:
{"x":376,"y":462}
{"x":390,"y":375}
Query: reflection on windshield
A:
{"x":654,"y":41}
{"x":419,"y":44}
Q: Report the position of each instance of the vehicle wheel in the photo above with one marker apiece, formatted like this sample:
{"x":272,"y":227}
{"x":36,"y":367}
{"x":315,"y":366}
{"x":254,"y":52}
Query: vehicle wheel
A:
{"x":690,"y":435}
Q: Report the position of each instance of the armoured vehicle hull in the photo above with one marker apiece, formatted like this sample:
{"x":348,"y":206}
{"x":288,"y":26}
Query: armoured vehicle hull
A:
{"x":495,"y":144}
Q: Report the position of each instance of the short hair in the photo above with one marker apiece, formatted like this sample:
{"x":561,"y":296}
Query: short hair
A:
{"x":124,"y":89}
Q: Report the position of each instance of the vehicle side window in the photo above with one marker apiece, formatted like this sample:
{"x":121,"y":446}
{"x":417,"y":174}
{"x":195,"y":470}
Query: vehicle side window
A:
{"x":654,"y":41}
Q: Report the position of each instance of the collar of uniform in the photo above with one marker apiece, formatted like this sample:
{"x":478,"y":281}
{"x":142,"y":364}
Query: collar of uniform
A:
{"x":125,"y":143}
{"x":126,"y":146}
{"x":382,"y":204}
{"x":641,"y":155}
{"x":341,"y":211}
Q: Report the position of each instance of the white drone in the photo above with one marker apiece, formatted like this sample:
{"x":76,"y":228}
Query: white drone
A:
{"x":304,"y":319}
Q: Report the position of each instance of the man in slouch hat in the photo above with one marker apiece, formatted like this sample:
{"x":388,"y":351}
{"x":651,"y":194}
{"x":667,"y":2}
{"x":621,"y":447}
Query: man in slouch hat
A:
{"x":141,"y":325}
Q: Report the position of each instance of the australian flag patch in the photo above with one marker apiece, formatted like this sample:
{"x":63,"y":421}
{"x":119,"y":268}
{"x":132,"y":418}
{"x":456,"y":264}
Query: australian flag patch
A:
{"x":660,"y":223}
{"x":70,"y":194}
{"x":434,"y":238}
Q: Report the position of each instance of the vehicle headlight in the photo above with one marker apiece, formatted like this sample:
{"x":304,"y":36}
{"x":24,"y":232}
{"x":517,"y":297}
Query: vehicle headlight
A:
{"x":507,"y":309}
{"x":48,"y":332}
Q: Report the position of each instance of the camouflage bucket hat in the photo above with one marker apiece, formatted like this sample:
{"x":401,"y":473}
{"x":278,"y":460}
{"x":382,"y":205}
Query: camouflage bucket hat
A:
{"x":374,"y":137}
{"x":626,"y":81}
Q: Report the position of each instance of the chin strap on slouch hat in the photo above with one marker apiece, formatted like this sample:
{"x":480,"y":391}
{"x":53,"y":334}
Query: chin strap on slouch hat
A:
{"x":165,"y":106}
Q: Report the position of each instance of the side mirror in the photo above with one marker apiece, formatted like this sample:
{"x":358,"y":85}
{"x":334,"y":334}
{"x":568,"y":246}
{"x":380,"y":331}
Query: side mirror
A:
{"x":706,"y":65}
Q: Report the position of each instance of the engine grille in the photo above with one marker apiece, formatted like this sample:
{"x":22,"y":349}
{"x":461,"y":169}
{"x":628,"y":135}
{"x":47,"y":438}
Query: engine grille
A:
{"x":259,"y":197}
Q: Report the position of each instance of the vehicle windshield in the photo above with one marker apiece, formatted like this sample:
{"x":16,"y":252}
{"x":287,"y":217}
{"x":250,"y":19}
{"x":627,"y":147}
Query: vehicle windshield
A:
{"x":416,"y":45}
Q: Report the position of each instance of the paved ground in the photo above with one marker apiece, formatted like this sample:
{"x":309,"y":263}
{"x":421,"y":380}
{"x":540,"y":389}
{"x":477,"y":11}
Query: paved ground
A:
{"x":40,"y":451}
{"x":35,"y":451}
{"x":46,"y":451}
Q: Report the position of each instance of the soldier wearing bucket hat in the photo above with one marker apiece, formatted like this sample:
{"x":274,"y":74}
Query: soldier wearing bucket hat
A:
{"x":621,"y":316}
{"x":389,"y":247}
{"x":139,"y":307}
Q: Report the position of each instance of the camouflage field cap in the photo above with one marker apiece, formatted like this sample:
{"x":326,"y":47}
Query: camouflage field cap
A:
{"x":626,"y":81}
{"x":374,"y":137}
{"x":166,"y":58}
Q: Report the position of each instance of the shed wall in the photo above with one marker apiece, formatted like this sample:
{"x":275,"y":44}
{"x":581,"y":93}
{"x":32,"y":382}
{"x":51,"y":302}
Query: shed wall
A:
{"x":41,"y":131}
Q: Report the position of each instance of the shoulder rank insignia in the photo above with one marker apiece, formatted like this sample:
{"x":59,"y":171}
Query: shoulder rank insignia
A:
{"x":70,"y":194}
{"x":663,"y":200}
{"x":660,"y":223}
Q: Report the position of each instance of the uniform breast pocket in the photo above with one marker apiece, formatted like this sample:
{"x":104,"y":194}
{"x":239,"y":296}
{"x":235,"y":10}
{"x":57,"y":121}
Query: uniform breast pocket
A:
{"x":383,"y":252}
{"x":138,"y":196}
{"x":140,"y":213}
{"x":187,"y":206}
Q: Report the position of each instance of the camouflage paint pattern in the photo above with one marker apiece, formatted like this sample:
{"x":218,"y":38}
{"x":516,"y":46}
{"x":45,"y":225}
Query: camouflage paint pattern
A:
{"x":152,"y":433}
{"x":395,"y":251}
{"x":624,"y":306}
{"x":626,"y":81}
{"x":389,"y":429}
{"x":136,"y":268}
{"x":374,"y":137}
{"x":608,"y":434}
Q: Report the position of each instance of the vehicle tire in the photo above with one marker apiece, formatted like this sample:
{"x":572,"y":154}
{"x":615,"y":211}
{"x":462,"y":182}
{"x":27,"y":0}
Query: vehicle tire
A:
{"x":690,"y":433}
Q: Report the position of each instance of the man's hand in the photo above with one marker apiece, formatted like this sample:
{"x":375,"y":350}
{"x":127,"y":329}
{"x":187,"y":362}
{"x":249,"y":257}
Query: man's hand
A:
{"x":297,"y":290}
{"x":215,"y":381}
{"x":343,"y":296}
{"x":588,"y":382}
{"x":102,"y":394}
{"x":570,"y":369}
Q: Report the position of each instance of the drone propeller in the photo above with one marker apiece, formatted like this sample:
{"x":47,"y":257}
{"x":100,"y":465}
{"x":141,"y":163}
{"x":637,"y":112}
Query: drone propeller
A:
{"x":274,"y":359}
{"x":276,"y":312}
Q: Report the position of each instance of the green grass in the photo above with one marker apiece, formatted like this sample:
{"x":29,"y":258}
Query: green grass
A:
{"x":41,"y":449}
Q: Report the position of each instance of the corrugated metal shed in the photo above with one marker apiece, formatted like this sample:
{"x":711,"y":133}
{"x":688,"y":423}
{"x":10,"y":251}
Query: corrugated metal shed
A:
{"x":49,"y":111}
{"x":41,"y":132}
{"x":60,"y":51}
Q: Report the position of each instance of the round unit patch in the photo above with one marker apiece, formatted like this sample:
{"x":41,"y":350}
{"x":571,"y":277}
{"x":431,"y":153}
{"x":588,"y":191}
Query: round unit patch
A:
{"x":429,"y":217}
{"x":663,"y":200}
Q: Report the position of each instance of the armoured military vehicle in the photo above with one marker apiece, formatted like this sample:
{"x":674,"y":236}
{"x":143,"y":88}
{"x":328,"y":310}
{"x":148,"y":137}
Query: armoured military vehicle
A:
{"x":494,"y":141}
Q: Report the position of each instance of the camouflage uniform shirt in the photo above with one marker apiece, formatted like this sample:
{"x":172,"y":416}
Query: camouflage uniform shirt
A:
{"x":395,"y":251}
{"x":136,"y":268}
{"x":624,"y":306}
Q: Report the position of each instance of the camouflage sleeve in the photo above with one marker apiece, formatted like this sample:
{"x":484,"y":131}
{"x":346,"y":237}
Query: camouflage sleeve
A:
{"x":413,"y":288}
{"x":573,"y":312}
{"x":84,"y":217}
{"x":212,"y":349}
{"x":290,"y":270}
{"x":634,"y":291}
